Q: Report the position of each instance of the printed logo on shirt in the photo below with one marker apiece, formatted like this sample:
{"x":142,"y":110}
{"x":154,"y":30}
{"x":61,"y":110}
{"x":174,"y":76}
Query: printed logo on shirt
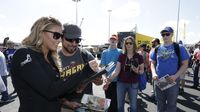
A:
{"x":27,"y":60}
{"x":72,"y":69}
{"x":165,"y":54}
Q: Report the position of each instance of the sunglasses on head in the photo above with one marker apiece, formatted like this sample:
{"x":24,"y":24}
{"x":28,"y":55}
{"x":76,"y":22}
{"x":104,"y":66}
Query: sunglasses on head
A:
{"x":73,"y":40}
{"x":56,"y":35}
{"x":165,"y":34}
{"x":130,"y":43}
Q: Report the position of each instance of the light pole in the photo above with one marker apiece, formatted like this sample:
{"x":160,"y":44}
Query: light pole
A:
{"x":81,"y":22}
{"x":178,"y":21}
{"x":76,"y":10}
{"x":109,"y":14}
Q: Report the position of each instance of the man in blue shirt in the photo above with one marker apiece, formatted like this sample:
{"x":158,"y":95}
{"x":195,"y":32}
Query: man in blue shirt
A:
{"x":9,"y":52}
{"x":165,"y":62}
{"x":111,"y":55}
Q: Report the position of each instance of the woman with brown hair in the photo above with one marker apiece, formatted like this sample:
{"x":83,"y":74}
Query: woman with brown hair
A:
{"x":130,"y":64}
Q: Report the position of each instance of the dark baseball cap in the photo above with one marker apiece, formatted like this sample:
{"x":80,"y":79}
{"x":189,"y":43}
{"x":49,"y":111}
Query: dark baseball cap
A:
{"x":167,"y":29}
{"x":156,"y":40}
{"x":71,"y":31}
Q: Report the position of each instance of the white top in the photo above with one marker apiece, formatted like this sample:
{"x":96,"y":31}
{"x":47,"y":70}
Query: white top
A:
{"x":3,"y":67}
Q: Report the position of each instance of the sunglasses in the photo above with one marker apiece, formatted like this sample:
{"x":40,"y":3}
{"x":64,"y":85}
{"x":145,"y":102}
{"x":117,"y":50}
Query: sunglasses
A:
{"x":130,"y":43}
{"x":56,"y":35}
{"x":73,"y":40}
{"x":165,"y":34}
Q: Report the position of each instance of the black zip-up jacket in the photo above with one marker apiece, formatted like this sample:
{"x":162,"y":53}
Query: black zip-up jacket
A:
{"x":37,"y":82}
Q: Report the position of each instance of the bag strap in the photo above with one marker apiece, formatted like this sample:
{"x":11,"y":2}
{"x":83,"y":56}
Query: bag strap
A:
{"x":156,"y":50}
{"x":177,"y":51}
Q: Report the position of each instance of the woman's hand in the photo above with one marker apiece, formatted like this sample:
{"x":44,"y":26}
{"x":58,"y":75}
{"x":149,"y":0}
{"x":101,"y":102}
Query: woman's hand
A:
{"x":135,"y":69}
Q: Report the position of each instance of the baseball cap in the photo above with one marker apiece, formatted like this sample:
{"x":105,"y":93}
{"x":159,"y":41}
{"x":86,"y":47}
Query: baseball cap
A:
{"x":167,"y":29}
{"x":156,"y":40}
{"x":71,"y":31}
{"x":114,"y":37}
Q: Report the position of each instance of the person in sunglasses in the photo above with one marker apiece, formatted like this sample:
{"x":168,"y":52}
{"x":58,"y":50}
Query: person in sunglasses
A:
{"x":74,"y":59}
{"x":111,"y":55}
{"x":36,"y":69}
{"x":129,"y":65}
{"x":155,"y":43}
{"x":166,"y":62}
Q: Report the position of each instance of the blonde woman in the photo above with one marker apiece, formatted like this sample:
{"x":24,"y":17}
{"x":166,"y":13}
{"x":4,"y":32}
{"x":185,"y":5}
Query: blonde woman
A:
{"x":36,"y":69}
{"x":130,"y":64}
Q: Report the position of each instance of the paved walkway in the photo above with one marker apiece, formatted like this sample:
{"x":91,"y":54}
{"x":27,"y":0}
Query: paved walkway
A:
{"x":186,"y":101}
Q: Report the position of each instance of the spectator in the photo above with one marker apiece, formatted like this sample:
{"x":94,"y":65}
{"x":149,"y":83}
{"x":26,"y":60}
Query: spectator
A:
{"x":36,"y":69}
{"x":9,"y":52}
{"x":196,"y":58}
{"x":129,"y":65}
{"x":165,"y":61}
{"x":74,"y":59}
{"x":155,"y":43}
{"x":145,"y":55}
{"x":111,"y":55}
{"x":3,"y":74}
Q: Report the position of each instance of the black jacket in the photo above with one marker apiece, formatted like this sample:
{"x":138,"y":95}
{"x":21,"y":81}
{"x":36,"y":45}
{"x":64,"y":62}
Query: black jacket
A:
{"x":37,"y":82}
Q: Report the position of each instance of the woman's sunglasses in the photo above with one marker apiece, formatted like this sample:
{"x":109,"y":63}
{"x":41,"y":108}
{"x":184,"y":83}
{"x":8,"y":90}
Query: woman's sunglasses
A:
{"x":165,"y":34}
{"x":78,"y":40}
{"x":56,"y":35}
{"x":130,"y":43}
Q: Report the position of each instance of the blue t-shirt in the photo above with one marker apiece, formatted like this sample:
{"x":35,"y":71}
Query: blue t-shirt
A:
{"x":110,"y":55}
{"x":167,"y":60}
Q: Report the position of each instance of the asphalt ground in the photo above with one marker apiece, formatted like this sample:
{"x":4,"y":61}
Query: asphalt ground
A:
{"x":186,"y":102}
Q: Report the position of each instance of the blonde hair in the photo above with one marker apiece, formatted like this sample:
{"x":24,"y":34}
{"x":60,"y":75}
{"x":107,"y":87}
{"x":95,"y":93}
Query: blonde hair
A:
{"x":134,"y":45}
{"x":34,"y":40}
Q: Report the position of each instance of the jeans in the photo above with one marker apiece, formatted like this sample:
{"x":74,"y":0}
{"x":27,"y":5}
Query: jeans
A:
{"x":5,"y":95}
{"x":196,"y":77}
{"x":132,"y":89}
{"x":111,"y":93}
{"x":167,"y":99}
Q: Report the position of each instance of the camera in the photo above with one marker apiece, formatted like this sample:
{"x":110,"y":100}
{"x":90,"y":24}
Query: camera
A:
{"x":135,"y":62}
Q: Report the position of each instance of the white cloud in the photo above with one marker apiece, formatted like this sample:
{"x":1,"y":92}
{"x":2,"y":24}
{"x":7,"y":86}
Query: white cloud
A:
{"x":197,"y":17}
{"x":127,"y":11}
{"x":2,"y":16}
{"x":107,"y":4}
{"x":192,"y":37}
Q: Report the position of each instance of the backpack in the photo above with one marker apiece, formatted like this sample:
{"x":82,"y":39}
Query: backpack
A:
{"x":177,"y":51}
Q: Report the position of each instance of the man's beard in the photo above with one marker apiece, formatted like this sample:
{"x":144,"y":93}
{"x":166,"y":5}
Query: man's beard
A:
{"x":70,"y":51}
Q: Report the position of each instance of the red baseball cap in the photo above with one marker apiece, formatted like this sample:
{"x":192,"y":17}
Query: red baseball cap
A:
{"x":114,"y":37}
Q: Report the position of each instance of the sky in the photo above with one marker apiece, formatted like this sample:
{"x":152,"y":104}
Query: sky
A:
{"x":148,"y":16}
